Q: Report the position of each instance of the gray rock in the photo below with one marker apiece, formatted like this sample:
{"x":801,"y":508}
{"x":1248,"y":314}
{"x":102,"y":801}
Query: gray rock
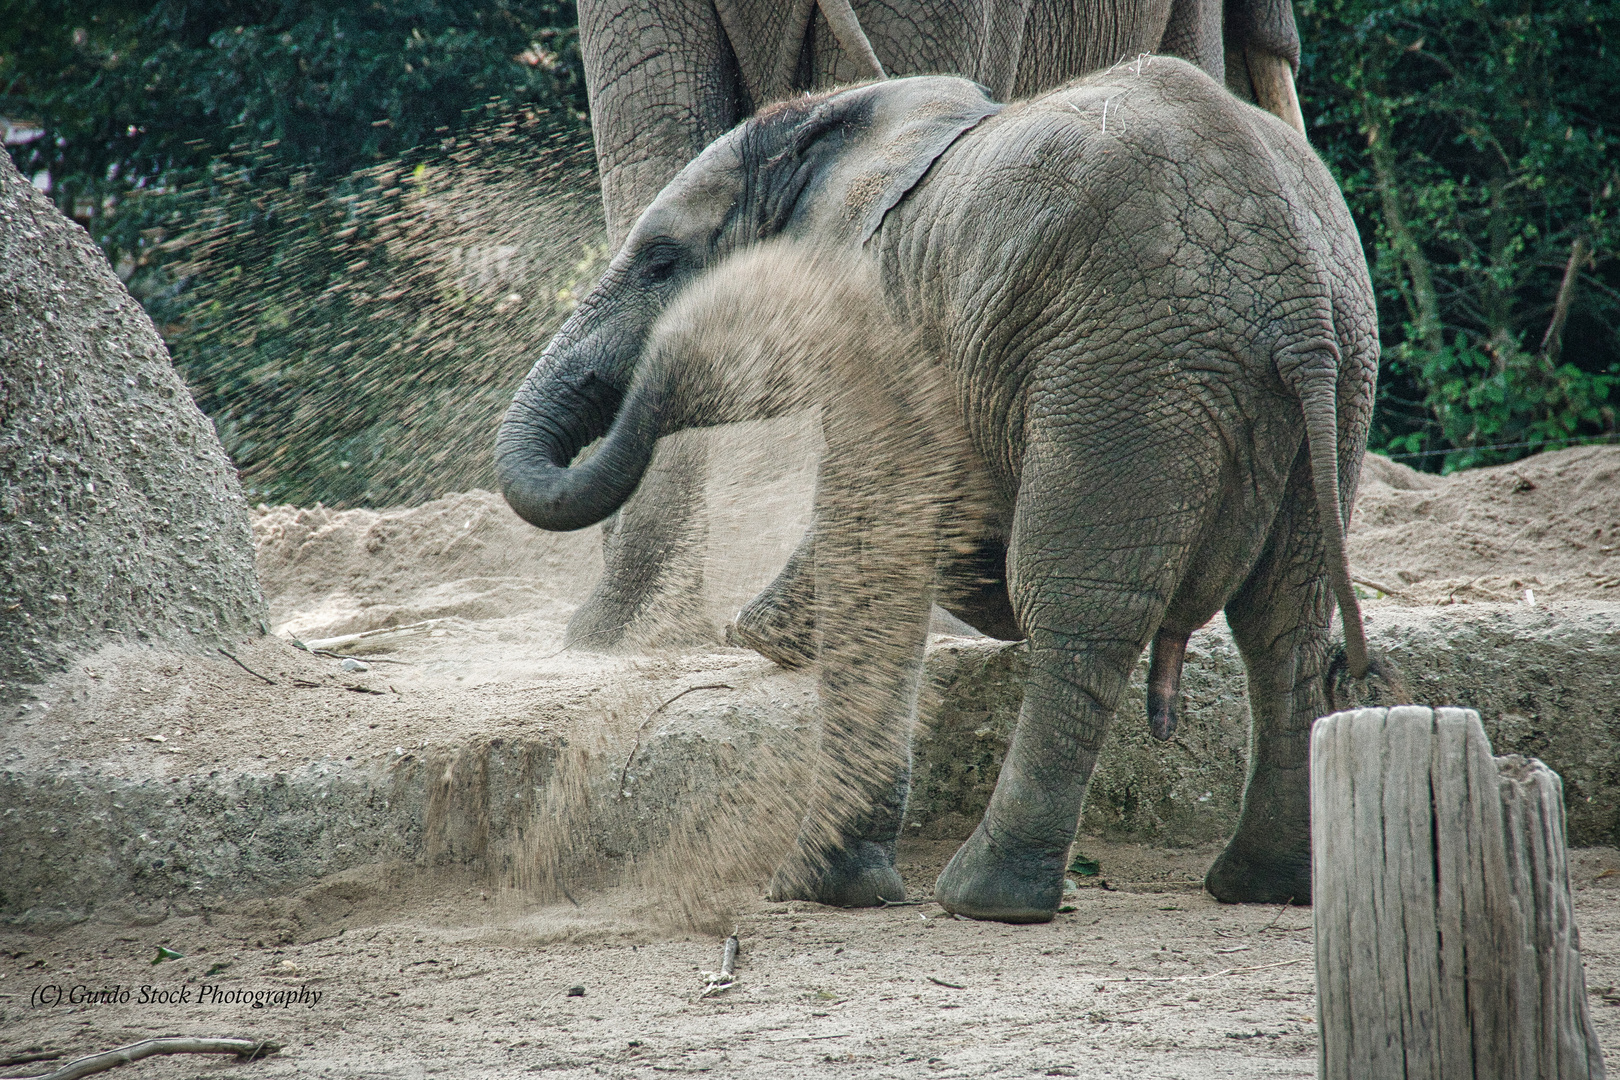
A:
{"x":120,"y":516}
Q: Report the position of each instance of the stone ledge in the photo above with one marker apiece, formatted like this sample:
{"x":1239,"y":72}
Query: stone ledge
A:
{"x":1545,"y":679}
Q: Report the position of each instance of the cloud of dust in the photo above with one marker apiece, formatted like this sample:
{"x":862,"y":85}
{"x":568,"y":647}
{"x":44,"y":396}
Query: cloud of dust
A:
{"x":775,"y":331}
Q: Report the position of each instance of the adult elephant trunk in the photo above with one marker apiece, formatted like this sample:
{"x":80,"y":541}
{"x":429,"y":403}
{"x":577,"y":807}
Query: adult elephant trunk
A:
{"x":558,"y":411}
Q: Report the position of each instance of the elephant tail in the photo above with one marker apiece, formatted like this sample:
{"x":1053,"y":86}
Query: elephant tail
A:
{"x":1314,"y":375}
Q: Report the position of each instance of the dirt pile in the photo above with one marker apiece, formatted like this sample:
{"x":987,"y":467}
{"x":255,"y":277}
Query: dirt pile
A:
{"x":1550,"y":524}
{"x":331,"y":572}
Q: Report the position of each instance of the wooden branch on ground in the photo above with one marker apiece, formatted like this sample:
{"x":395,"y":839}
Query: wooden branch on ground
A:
{"x":232,"y":658}
{"x":726,"y":977}
{"x":1445,"y":931}
{"x":247,"y":1049}
{"x":1379,"y":586}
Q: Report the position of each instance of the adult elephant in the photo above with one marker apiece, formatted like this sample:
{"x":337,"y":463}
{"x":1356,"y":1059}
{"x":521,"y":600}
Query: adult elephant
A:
{"x":666,"y":79}
{"x":1151,"y":307}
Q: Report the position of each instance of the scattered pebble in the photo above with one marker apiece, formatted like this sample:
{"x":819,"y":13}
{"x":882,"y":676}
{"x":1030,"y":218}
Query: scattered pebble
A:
{"x":576,"y":991}
{"x":351,"y":664}
{"x":156,"y":738}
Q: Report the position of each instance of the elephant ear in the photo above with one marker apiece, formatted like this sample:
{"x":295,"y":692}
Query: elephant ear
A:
{"x":860,"y":151}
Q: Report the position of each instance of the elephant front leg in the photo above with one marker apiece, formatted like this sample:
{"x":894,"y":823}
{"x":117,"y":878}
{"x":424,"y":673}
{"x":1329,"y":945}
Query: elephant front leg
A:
{"x":780,"y":623}
{"x":874,"y":577}
{"x":844,"y":856}
{"x":845,"y":851}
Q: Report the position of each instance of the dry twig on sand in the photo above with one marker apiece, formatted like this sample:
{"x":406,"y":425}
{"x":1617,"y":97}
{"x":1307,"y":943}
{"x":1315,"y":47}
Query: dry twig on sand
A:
{"x":343,"y":641}
{"x":232,"y":658}
{"x":1379,"y":586}
{"x":246,"y":1049}
{"x":624,"y":773}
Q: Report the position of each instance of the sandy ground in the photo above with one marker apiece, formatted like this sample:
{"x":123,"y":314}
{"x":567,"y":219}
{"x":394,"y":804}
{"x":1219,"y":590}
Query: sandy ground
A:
{"x":1147,"y":978}
{"x":421,"y":975}
{"x":1550,"y":524}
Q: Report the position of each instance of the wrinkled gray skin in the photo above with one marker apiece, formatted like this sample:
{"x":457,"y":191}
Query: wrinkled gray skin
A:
{"x":1142,"y":319}
{"x":666,"y":79}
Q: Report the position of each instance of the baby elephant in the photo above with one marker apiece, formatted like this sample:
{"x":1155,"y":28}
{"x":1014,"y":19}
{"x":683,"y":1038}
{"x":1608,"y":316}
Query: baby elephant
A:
{"x":1148,"y":358}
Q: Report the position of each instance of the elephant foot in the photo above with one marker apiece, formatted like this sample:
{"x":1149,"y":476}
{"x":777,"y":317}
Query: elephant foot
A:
{"x":781,"y":633}
{"x":607,"y":627}
{"x":860,"y":875}
{"x":987,"y":880}
{"x":1241,"y":878}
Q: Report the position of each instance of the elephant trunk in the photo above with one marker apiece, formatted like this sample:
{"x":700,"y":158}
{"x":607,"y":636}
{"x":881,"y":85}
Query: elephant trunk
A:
{"x":553,"y":417}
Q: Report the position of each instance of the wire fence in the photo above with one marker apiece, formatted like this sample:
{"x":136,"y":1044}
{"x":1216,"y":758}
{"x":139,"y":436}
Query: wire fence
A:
{"x":1573,"y":440}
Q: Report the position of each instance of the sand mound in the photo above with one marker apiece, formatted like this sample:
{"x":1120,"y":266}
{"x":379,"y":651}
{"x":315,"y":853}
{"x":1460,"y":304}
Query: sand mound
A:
{"x":330,"y":572}
{"x":1550,"y":523}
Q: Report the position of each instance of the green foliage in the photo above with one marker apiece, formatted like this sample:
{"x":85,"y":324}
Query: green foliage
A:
{"x":311,"y":198}
{"x":139,"y":98}
{"x":1478,"y":143}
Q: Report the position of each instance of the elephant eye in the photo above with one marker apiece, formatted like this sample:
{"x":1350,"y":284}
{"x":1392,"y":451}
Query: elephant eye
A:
{"x":658,"y":264}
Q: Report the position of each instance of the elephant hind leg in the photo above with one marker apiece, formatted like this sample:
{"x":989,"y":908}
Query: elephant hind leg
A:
{"x":1280,"y":620}
{"x":1094,"y":567}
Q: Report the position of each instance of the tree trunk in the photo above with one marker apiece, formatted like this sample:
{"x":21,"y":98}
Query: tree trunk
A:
{"x":1424,"y":301}
{"x":1552,"y":342}
{"x":1445,"y":936}
{"x":121,"y":518}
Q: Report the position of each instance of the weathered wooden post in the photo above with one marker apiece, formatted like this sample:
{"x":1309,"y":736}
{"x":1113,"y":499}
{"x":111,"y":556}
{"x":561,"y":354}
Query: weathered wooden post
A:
{"x":1445,"y":935}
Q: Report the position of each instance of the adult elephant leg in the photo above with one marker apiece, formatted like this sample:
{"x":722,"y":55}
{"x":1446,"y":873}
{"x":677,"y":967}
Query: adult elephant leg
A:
{"x":663,"y":83}
{"x":651,"y":589}
{"x":1280,"y":621}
